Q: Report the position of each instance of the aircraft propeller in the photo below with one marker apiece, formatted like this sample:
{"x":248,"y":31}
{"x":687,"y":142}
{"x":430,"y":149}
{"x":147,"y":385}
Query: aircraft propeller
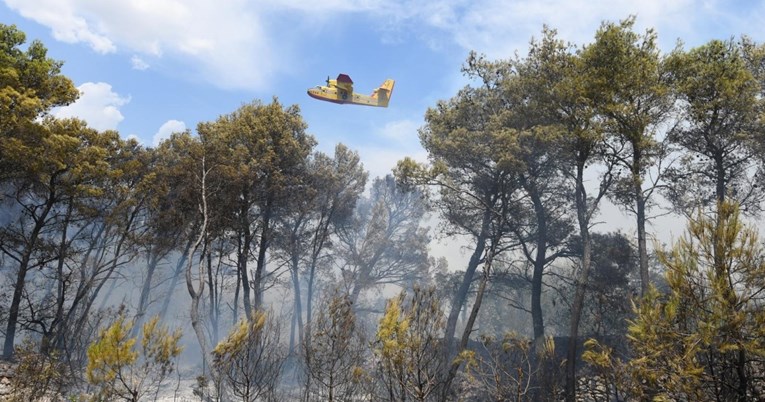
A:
{"x":327,"y":80}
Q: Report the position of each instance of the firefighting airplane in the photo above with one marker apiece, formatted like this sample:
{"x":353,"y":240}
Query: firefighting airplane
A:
{"x":340,"y":90}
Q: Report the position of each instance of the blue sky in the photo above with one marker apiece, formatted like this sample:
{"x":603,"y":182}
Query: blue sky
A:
{"x":148,"y":67}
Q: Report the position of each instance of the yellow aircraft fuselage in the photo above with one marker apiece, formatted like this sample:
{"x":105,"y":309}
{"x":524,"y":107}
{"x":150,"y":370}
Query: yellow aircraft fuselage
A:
{"x":340,"y":90}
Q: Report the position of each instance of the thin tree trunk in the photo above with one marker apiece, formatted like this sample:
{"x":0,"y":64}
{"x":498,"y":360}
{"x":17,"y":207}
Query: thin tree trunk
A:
{"x":582,"y":215}
{"x":459,"y":298}
{"x":82,"y":288}
{"x":243,"y":256}
{"x":540,"y":260}
{"x":95,"y":288}
{"x":743,"y":377}
{"x":309,"y":298}
{"x":260,"y":268}
{"x":637,"y":189}
{"x":720,"y":179}
{"x":212,"y":284}
{"x":455,"y":364}
{"x":359,"y":285}
{"x":55,"y":327}
{"x":720,"y":197}
{"x":642,"y":244}
{"x":235,"y":310}
{"x":291,"y":348}
{"x":174,"y":280}
{"x":317,"y":245}
{"x":196,"y":294}
{"x":244,"y":244}
{"x":143,"y":301}
{"x":298,"y":314}
{"x":458,"y":301}
{"x":18,"y":289}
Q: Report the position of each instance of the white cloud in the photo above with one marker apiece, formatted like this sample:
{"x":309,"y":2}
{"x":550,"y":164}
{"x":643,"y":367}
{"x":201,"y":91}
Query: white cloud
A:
{"x":138,"y":63}
{"x":168,"y":128}
{"x":328,"y":7}
{"x":499,"y":28}
{"x":67,"y":24}
{"x":98,"y":105}
{"x":225,"y":38}
{"x":241,"y":44}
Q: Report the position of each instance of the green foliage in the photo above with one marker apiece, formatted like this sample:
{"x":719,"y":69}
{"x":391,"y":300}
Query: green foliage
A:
{"x":249,"y":360}
{"x":703,"y":340}
{"x":627,"y":81}
{"x":511,"y":369}
{"x":37,"y":376}
{"x":259,"y":151}
{"x":409,"y":347}
{"x":723,"y":109}
{"x":472,"y":148}
{"x":120,"y":370}
{"x":30,"y":82}
{"x":609,"y":285}
{"x":334,"y":353}
{"x":609,"y":373}
{"x":63,"y":175}
{"x":629,"y":87}
{"x":628,"y":84}
{"x":258,"y":159}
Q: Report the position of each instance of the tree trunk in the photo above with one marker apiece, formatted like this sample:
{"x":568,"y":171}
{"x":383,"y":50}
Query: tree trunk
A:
{"x":309,"y":297}
{"x":195,"y":294}
{"x":540,"y":260}
{"x":298,"y":313}
{"x":459,"y":298}
{"x":93,"y":287}
{"x":174,"y":281}
{"x":720,"y":179}
{"x":260,"y":268}
{"x":358,"y":285}
{"x":637,"y":189}
{"x":214,"y":302}
{"x":642,"y":246}
{"x":743,"y":376}
{"x":143,"y":302}
{"x":455,"y":364}
{"x":582,"y":215}
{"x":720,"y":198}
{"x":55,"y":326}
{"x":243,"y":255}
{"x":317,"y":245}
{"x":18,"y":289}
{"x":235,"y":310}
{"x":458,"y":301}
{"x":291,"y":348}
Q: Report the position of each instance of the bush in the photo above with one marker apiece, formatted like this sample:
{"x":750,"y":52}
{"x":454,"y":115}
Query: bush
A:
{"x":120,"y":371}
{"x":248,"y":362}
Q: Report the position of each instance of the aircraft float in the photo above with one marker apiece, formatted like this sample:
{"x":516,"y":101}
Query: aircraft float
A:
{"x":340,"y":90}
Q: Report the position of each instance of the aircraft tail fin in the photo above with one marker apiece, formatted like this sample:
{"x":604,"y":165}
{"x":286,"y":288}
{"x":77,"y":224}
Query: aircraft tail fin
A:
{"x":384,"y":92}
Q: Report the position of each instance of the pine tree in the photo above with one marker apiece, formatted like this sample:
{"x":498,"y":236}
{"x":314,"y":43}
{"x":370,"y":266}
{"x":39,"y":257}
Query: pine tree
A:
{"x":121,"y":371}
{"x":409,"y":347}
{"x":705,"y":338}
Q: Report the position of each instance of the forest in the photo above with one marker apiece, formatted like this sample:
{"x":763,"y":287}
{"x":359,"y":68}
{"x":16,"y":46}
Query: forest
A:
{"x":239,"y":263}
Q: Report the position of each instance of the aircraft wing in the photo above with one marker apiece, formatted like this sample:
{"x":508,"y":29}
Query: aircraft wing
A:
{"x":344,"y":84}
{"x":344,"y":79}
